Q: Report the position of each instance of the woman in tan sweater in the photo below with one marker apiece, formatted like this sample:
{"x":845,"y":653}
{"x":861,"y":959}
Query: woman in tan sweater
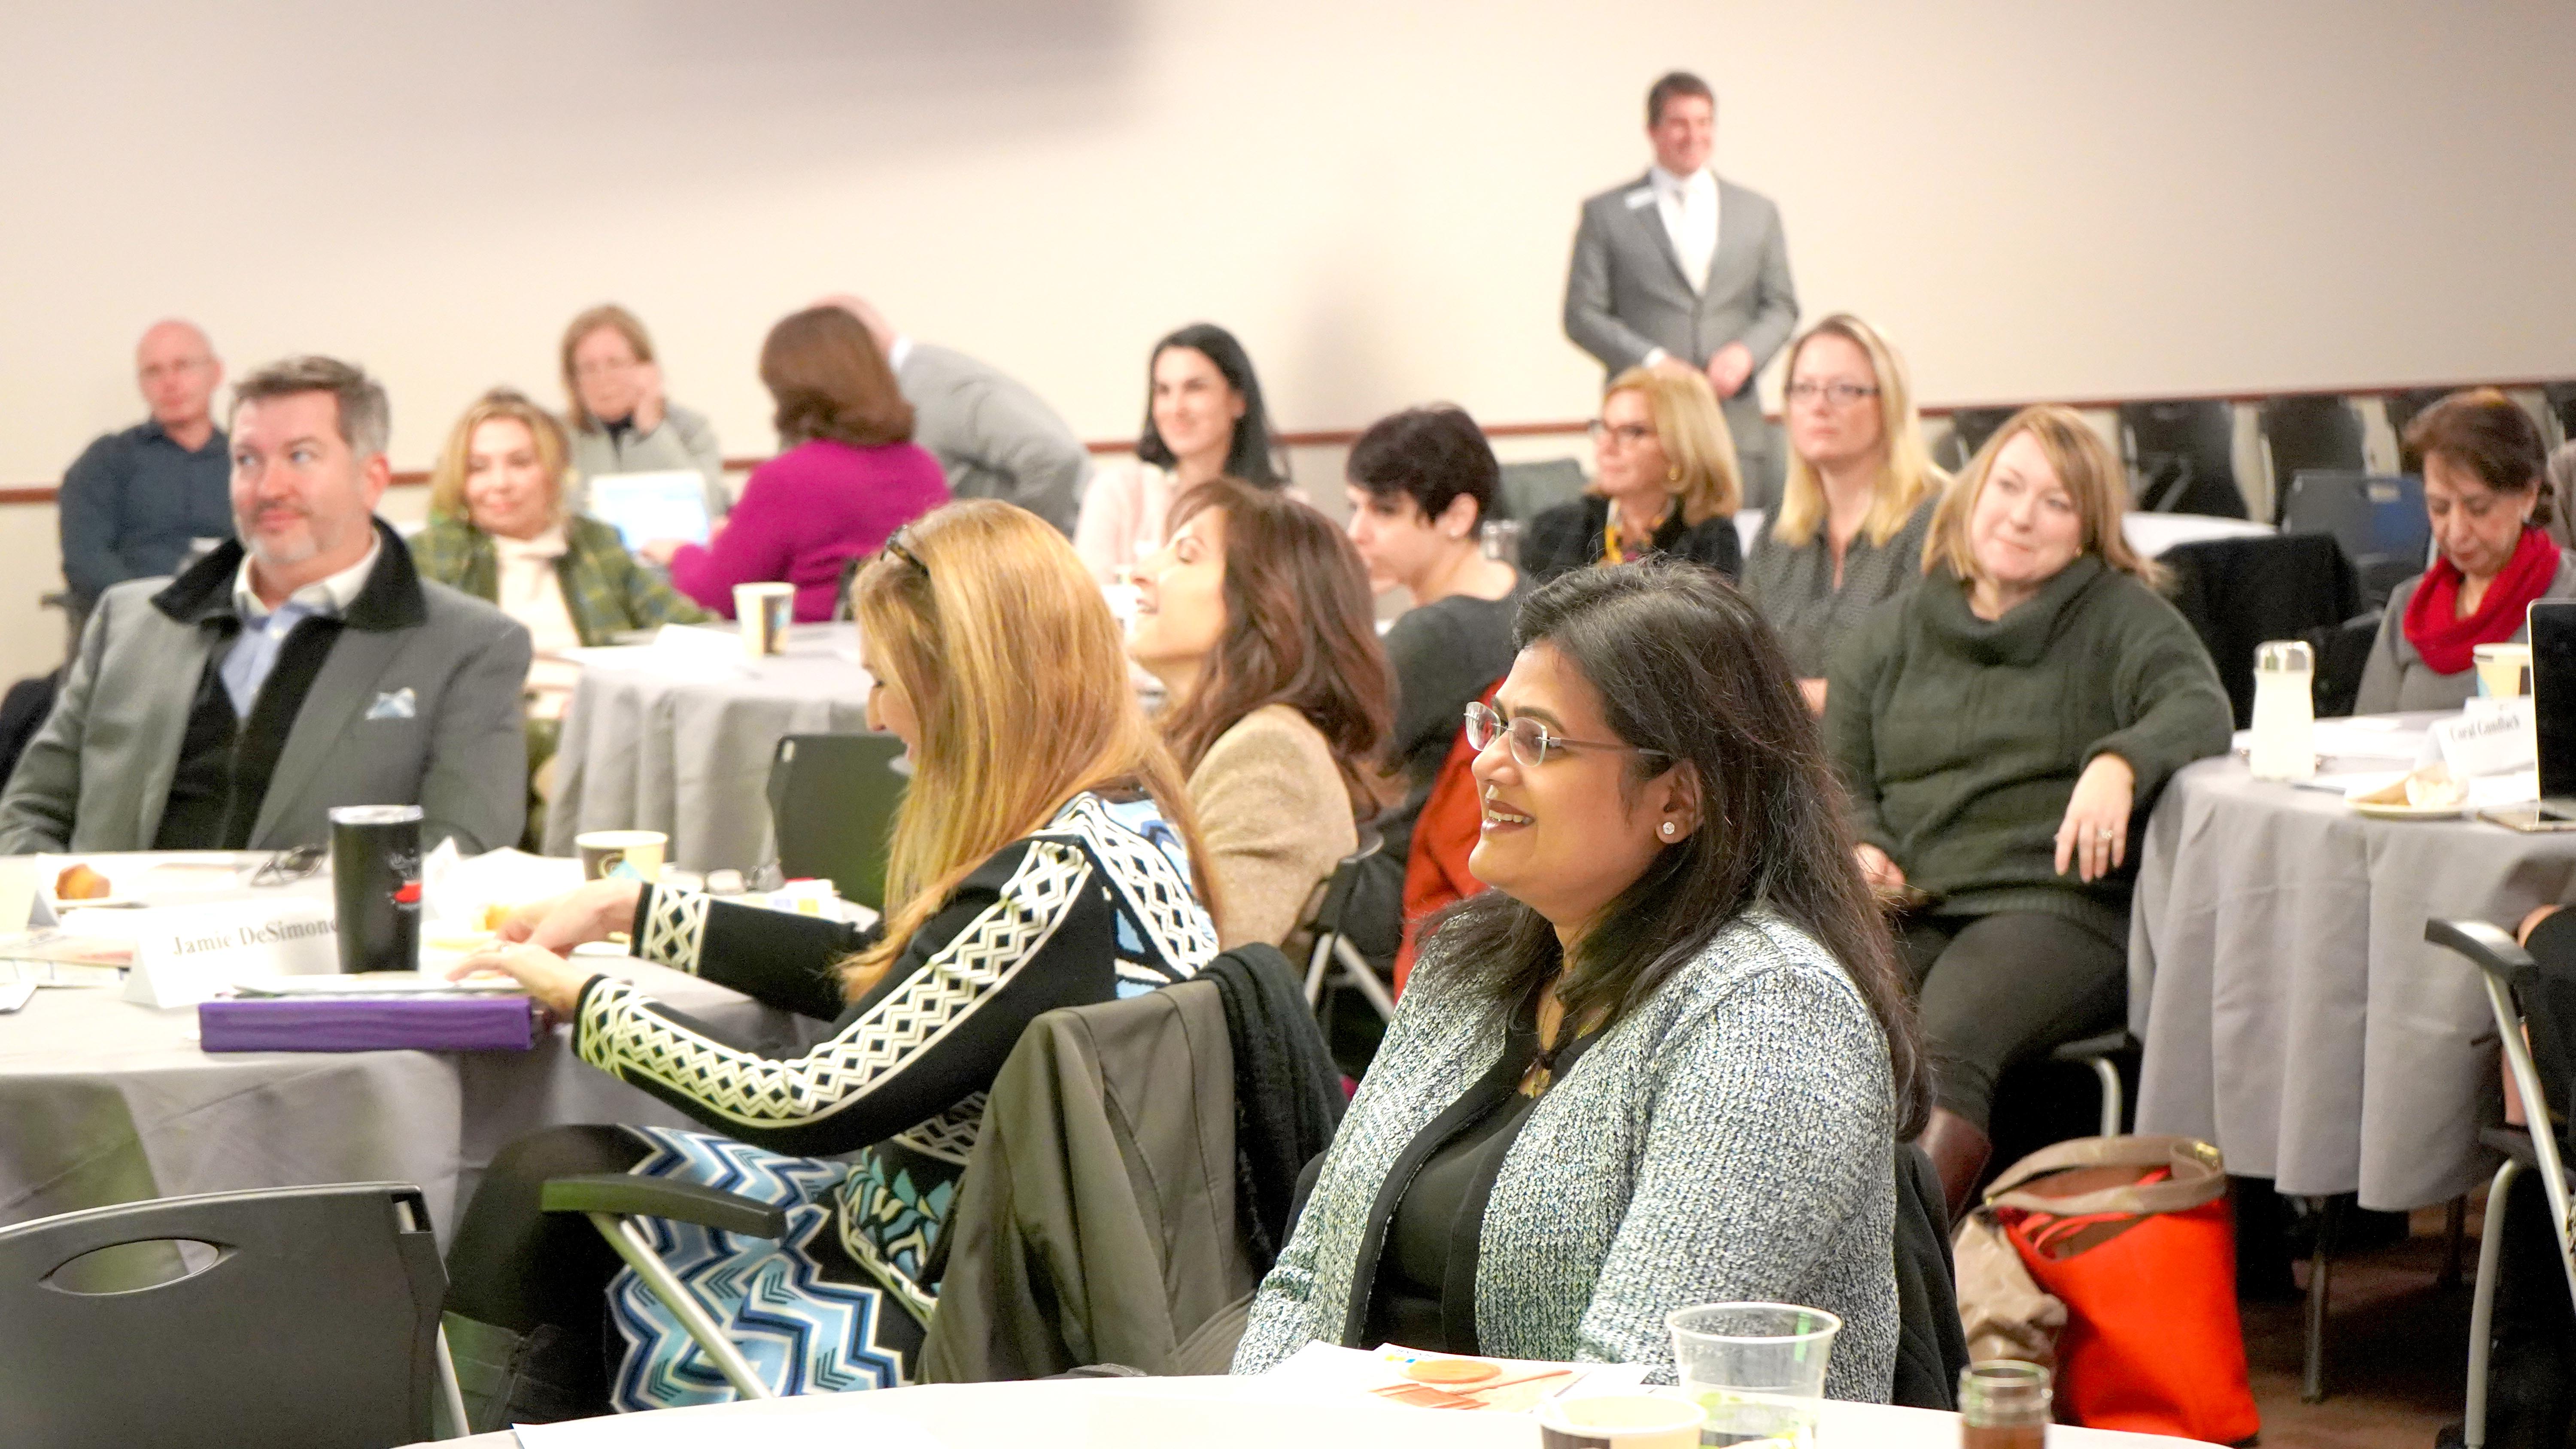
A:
{"x":1256,"y":617}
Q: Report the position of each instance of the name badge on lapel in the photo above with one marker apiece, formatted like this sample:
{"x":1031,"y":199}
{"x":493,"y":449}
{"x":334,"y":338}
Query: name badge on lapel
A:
{"x":401,"y":704}
{"x":1640,"y":199}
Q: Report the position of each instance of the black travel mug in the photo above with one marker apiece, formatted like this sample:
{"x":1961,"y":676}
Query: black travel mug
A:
{"x":375,"y":884}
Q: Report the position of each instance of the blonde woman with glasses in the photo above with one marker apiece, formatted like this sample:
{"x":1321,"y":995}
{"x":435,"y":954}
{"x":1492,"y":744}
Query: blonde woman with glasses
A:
{"x":1858,"y":502}
{"x":1046,"y":855}
{"x":1664,"y":482}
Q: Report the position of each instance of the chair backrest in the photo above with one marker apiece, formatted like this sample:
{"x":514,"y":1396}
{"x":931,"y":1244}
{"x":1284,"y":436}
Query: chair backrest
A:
{"x":1529,"y":489}
{"x":2239,"y":592}
{"x":2343,"y":656}
{"x":315,"y":1322}
{"x":2309,"y":432}
{"x":2185,"y":456}
{"x":2378,"y":518}
{"x":832,"y":802}
{"x":1969,"y":429}
{"x":2532,"y":999}
{"x":1931,"y":1345}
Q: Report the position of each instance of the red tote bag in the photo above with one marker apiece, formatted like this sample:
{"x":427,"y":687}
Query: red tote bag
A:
{"x":2136,"y":1237}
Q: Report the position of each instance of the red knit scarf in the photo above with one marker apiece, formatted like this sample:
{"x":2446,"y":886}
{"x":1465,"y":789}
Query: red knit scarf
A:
{"x":2433,"y":622}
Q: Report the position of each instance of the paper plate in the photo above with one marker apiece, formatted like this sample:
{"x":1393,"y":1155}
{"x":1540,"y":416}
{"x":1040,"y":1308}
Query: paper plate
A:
{"x":2378,"y":810}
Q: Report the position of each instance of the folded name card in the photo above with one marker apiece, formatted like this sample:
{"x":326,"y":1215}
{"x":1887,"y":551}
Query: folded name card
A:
{"x":186,"y":954}
{"x":2495,"y":737}
{"x":498,"y":1023}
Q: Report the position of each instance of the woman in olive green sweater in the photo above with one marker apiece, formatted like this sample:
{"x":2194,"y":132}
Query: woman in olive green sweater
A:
{"x":2003,"y":730}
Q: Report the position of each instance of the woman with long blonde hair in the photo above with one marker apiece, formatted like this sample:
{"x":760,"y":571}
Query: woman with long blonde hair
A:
{"x":1664,"y":481}
{"x":1858,"y":501}
{"x":1045,"y":856}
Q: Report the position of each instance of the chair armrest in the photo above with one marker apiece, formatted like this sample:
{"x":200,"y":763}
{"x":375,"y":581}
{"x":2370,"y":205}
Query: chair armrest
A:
{"x":624,"y":1195}
{"x":2487,"y":946}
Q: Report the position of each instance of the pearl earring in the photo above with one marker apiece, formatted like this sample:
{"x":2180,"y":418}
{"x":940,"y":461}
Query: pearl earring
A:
{"x":1669,"y":827}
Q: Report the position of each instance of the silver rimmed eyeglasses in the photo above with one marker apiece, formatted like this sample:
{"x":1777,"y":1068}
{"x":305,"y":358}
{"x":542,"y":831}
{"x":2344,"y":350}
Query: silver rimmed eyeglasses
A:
{"x":1531,"y":743}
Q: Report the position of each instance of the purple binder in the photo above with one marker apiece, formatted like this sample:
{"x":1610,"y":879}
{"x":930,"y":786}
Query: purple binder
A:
{"x":363,"y":1024}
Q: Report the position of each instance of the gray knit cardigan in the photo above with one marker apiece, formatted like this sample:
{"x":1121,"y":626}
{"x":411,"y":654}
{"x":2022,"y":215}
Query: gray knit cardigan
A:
{"x":1732,"y":1138}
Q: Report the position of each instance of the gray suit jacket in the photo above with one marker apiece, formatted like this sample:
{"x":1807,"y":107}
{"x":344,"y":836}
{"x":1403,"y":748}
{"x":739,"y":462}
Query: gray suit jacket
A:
{"x":1625,"y":294}
{"x":97,"y":775}
{"x":995,"y":437}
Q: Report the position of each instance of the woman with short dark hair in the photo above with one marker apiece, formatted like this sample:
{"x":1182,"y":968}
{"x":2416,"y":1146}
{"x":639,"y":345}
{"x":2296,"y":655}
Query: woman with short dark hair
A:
{"x":1256,"y":619}
{"x":850,"y":475}
{"x":2486,"y":488}
{"x":1664,"y":1061}
{"x":1204,"y":419}
{"x":1422,"y":484}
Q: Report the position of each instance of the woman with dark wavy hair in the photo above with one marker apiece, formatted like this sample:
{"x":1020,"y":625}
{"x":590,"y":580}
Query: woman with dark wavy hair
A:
{"x":1665,"y":1060}
{"x":1257,"y":618}
{"x":1204,"y":420}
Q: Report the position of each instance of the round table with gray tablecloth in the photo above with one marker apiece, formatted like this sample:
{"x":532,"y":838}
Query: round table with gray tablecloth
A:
{"x":105,"y":1101}
{"x":2293,"y":1013}
{"x":682,"y":743}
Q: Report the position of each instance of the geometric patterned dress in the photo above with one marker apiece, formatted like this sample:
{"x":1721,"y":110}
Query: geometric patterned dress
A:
{"x":862,"y":1138}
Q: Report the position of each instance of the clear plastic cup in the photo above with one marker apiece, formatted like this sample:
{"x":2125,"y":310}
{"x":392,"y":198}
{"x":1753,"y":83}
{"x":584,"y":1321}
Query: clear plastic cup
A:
{"x":1758,"y":1369}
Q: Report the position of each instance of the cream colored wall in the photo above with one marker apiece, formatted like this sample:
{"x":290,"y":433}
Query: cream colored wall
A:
{"x":2036,"y":198}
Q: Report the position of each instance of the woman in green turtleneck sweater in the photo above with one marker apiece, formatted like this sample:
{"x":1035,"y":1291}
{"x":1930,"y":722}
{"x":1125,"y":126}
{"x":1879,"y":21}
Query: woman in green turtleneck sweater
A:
{"x":2002,"y":730}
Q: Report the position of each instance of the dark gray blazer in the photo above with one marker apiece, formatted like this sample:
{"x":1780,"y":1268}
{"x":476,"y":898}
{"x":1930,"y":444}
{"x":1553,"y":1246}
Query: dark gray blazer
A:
{"x":993,"y":436}
{"x":1625,"y":294}
{"x":417,"y":704}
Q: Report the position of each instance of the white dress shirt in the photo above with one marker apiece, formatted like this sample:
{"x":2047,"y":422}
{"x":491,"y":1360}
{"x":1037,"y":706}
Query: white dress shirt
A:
{"x":1688,"y":206}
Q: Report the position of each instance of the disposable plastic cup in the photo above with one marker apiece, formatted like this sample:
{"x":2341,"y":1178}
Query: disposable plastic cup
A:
{"x":1757,"y":1369}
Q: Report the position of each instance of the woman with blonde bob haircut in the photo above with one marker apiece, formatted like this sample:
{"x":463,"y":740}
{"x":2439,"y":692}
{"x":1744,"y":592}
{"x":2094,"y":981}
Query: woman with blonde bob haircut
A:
{"x":1664,"y":481}
{"x":1858,"y":502}
{"x":2003,"y":731}
{"x":1045,"y":856}
{"x":502,"y":528}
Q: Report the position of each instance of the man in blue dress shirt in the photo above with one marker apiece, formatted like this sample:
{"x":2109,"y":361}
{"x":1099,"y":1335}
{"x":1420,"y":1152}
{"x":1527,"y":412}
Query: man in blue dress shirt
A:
{"x":135,"y":501}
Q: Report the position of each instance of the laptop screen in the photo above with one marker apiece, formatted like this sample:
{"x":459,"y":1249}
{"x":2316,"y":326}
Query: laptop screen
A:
{"x":2553,"y":694}
{"x":643,"y":506}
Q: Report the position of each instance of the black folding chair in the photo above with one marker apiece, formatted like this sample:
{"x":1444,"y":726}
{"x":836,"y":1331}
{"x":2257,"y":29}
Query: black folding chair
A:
{"x":832,"y":802}
{"x":2520,"y":995}
{"x":2308,"y":432}
{"x":2184,"y":454}
{"x":293,"y":1315}
{"x":1333,"y":955}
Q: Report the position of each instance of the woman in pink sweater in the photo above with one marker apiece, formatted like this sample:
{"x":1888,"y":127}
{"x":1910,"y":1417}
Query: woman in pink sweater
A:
{"x":850,"y":475}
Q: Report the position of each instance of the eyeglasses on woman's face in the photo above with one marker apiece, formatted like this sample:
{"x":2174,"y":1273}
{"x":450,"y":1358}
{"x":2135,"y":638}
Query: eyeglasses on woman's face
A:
{"x":1626,"y":435}
{"x":1530,"y":741}
{"x":1832,"y":394}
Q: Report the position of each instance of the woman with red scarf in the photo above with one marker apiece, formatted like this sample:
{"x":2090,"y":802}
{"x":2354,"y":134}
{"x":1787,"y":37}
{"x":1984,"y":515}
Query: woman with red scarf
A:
{"x":2485,"y":488}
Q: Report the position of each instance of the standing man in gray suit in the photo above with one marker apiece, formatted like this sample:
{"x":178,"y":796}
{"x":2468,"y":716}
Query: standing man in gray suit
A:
{"x":1681,"y":269}
{"x":993,"y":436}
{"x":300,"y":666}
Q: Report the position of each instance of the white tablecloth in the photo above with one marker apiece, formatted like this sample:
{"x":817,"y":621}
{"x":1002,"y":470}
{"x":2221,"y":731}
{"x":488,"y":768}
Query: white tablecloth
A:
{"x":1151,"y":1413}
{"x":103,"y":1101}
{"x":682,"y":743}
{"x":2292,"y":1011}
{"x":2152,"y":533}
